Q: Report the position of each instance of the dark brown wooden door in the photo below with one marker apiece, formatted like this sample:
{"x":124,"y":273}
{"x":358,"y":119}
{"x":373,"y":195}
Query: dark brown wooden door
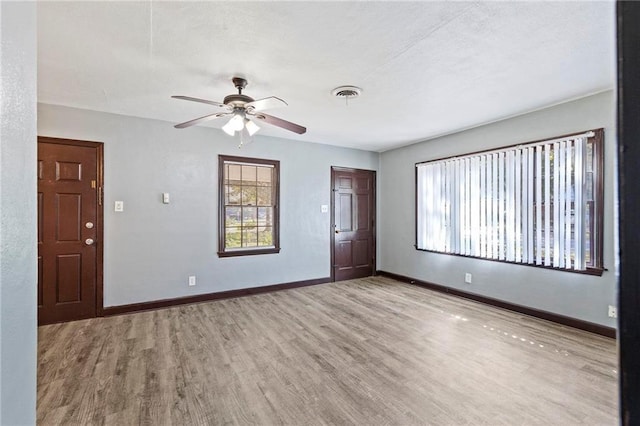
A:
{"x":353,"y":223}
{"x":67,"y":231}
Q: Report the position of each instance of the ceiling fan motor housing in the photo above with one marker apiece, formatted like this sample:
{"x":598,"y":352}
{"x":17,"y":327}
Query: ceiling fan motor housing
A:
{"x":240,"y":83}
{"x":237,"y":101}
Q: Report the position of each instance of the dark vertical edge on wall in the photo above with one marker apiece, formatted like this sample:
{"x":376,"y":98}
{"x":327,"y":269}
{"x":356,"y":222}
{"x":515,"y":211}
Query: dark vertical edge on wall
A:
{"x":100,"y":231}
{"x":415,"y":206}
{"x":598,"y":155}
{"x":628,"y":31}
{"x":221,"y":200}
{"x":374,"y":212}
{"x":276,"y":206}
{"x":332,"y":226}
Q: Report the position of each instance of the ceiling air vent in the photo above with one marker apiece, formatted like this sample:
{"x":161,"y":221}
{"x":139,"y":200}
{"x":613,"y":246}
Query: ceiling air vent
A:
{"x":347,"y":92}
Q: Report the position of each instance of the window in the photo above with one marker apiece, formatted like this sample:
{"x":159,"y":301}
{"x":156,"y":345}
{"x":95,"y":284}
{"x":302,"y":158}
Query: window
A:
{"x":248,"y":217}
{"x":537,"y":204}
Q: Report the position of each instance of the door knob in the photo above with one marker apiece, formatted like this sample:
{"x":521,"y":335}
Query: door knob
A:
{"x":89,"y":241}
{"x":89,"y":225}
{"x":337,"y":232}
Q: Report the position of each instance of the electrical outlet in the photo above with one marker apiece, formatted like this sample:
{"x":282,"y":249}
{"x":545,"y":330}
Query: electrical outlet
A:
{"x":467,"y":278}
{"x":613,"y":311}
{"x":192,"y":280}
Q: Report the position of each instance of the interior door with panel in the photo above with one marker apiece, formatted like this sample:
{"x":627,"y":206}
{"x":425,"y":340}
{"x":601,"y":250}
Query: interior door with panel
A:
{"x":353,"y":223}
{"x":68,"y":230}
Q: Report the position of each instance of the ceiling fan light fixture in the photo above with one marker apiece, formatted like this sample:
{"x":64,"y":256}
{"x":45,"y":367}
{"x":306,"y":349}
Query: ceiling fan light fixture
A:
{"x":251,"y":127}
{"x":237,"y":121}
{"x":228,"y":128}
{"x":235,"y":124}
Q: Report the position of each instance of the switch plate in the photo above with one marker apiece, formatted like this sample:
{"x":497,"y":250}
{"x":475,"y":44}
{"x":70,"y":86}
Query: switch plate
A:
{"x":165,"y":197}
{"x":324,"y":208}
{"x":467,"y":278}
{"x":192,"y":280}
{"x":119,"y":206}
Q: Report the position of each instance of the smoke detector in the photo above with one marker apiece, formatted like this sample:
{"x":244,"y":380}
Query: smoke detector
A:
{"x":346,"y":92}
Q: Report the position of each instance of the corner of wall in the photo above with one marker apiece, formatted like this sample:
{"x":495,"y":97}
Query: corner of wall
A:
{"x":18,"y":239}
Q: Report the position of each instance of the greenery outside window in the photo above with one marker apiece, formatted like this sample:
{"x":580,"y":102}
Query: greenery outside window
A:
{"x":248,"y":206}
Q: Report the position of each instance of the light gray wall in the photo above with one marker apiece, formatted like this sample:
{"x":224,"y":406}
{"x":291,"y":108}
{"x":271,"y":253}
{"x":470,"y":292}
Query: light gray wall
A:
{"x":151,"y":248}
{"x":574,"y":295}
{"x":18,"y":250}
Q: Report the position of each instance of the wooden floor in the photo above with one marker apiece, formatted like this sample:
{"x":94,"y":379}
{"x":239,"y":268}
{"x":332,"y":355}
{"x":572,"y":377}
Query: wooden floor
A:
{"x":370,"y":352}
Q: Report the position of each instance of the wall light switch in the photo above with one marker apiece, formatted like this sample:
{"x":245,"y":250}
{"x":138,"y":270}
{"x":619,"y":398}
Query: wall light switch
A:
{"x":165,"y":197}
{"x":119,"y":206}
{"x":324,"y":208}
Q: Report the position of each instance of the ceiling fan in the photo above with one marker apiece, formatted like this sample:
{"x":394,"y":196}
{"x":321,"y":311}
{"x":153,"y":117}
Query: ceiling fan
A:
{"x":241,"y":108}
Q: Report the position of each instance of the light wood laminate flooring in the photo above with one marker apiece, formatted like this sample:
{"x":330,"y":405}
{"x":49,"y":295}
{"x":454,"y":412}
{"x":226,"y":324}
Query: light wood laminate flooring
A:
{"x":371,"y":352}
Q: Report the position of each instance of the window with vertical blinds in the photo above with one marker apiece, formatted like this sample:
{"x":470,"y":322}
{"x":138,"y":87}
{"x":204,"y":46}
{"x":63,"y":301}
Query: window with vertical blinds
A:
{"x":537,"y":203}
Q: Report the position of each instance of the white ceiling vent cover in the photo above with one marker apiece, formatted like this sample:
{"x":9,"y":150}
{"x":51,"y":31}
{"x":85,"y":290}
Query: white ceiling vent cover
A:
{"x":348,"y":92}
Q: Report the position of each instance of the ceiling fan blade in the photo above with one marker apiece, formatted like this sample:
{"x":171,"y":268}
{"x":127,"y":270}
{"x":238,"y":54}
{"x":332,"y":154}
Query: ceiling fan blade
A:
{"x":201,"y":120}
{"x":266,"y":103}
{"x":203,"y":101}
{"x":275,"y":121}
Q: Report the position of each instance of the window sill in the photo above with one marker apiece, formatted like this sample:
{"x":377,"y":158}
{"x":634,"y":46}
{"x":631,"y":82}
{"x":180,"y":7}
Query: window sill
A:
{"x":589,"y":271}
{"x":252,"y":252}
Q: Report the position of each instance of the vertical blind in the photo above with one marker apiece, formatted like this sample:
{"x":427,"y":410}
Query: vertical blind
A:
{"x":523,"y":204}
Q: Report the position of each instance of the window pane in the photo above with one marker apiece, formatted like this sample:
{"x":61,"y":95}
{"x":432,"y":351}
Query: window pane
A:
{"x":265,"y":237}
{"x":249,"y":196}
{"x":233,"y":194}
{"x":232,"y":216}
{"x":249,"y":175}
{"x":264,"y":176}
{"x":249,"y":216}
{"x":264,"y":196}
{"x":589,"y":233}
{"x":589,"y":186}
{"x":233,"y":173}
{"x":250,"y":236}
{"x":265,"y":215}
{"x":232,"y":238}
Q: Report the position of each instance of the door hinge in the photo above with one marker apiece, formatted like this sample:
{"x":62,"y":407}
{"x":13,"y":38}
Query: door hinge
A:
{"x":99,"y":195}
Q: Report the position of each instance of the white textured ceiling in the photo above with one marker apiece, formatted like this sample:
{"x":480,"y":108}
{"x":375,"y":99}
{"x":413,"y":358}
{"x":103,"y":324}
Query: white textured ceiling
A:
{"x":426,"y":68}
